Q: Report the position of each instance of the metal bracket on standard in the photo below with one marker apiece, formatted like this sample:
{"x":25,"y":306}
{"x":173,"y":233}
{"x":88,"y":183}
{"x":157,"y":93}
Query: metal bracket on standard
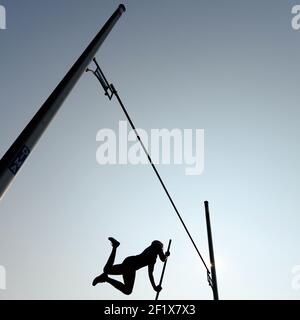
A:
{"x":108,"y":88}
{"x":209,"y":279}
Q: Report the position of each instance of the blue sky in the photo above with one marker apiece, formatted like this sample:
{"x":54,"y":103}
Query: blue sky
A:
{"x":230,"y":68}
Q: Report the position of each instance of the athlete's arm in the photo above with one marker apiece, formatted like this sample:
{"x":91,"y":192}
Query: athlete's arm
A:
{"x":150,"y":273}
{"x":163,"y":256}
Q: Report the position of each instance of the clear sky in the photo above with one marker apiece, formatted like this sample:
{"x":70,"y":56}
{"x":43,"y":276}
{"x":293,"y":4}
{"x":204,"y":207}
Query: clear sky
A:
{"x":228,"y":67}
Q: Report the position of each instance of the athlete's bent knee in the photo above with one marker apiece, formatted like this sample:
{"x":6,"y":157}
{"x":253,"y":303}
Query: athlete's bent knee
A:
{"x":127,"y":291}
{"x":106,"y":269}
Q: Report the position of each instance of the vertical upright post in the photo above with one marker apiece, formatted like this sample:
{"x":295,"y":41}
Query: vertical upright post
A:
{"x":211,"y":253}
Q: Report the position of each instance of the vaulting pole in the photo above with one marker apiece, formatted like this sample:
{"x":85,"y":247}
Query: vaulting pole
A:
{"x":15,"y":157}
{"x":164,"y":269}
{"x":211,"y":254}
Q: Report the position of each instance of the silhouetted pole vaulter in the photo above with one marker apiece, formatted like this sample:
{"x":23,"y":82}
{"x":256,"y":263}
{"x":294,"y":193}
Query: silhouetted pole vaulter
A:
{"x":214,"y":283}
{"x":164,"y":269}
{"x":130,"y":265}
{"x":23,"y":146}
{"x":110,"y":91}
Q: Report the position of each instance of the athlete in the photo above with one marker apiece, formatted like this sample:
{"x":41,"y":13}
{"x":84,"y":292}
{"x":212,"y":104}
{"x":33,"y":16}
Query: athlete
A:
{"x":130,"y":265}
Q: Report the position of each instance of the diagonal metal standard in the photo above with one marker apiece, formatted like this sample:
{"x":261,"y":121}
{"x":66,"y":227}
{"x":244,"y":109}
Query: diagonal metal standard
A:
{"x":17,"y":154}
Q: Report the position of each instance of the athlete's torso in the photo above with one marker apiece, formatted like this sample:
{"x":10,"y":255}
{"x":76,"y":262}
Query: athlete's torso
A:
{"x":146,"y":258}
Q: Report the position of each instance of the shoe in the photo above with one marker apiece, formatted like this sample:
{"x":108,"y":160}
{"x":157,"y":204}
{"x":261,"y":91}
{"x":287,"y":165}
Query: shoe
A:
{"x":114,"y":242}
{"x":100,"y":279}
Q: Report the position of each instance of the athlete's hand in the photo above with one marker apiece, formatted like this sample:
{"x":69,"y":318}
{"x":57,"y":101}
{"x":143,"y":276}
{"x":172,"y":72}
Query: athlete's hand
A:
{"x":158,"y":288}
{"x":167,"y":254}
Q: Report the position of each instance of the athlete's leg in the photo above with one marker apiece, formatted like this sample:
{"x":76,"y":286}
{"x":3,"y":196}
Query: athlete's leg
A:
{"x":125,"y":287}
{"x":127,"y":269}
{"x":129,"y":279}
{"x":109,"y":267}
{"x":111,"y":259}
